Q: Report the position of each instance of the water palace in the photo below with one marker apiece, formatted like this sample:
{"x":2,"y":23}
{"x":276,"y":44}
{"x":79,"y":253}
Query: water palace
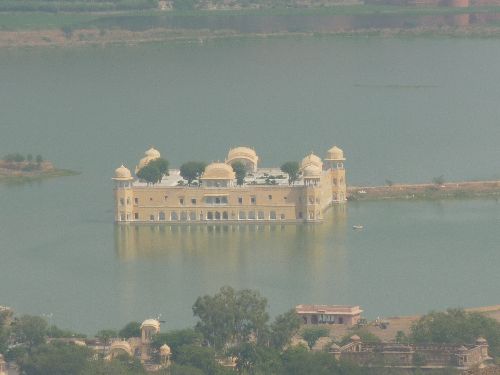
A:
{"x":265,"y":195}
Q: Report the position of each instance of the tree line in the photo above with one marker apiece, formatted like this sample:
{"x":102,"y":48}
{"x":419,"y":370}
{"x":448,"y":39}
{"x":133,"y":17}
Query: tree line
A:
{"x":191,"y":171}
{"x":231,"y":324}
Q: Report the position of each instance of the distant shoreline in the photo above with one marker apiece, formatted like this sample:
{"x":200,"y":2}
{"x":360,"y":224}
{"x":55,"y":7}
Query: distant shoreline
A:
{"x":22,"y":177}
{"x":448,"y":190}
{"x":95,"y":37}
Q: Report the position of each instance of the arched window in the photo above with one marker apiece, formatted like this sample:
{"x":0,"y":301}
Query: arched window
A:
{"x":174,"y":216}
{"x":161,"y":216}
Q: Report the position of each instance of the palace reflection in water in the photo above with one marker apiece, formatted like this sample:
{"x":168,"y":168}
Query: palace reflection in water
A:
{"x":281,"y":257}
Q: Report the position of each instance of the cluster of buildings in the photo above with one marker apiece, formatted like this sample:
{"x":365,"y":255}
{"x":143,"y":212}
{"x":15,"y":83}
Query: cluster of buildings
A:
{"x":265,"y":195}
{"x":406,"y":356}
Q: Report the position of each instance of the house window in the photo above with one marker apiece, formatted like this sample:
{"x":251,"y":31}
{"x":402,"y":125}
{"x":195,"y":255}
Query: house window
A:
{"x":181,"y":201}
{"x":136,"y":216}
{"x":210,"y":215}
{"x":217,"y":200}
{"x":193,"y":201}
{"x":192,"y":216}
{"x":174,"y":216}
{"x":282,"y":216}
{"x":165,"y":198}
{"x":300,"y":215}
{"x":122,"y":216}
{"x":260,"y":215}
{"x":272,"y":215}
{"x":251,"y":215}
{"x":136,"y":200}
{"x":217,"y":215}
{"x":270,"y":197}
{"x":161,"y":216}
{"x":335,"y":182}
{"x":150,"y":198}
{"x":225,"y":216}
{"x":253,"y":200}
{"x":184,"y":216}
{"x":240,"y":200}
{"x":122,"y":201}
{"x":151,"y":217}
{"x":128,"y":201}
{"x":311,"y":200}
{"x":242,"y":215}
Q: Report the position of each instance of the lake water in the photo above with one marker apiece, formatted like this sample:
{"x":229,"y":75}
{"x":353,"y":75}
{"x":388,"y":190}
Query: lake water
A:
{"x":402,"y":109}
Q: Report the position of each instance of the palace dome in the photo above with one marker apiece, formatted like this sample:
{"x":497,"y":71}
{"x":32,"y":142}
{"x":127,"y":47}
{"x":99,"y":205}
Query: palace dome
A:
{"x":153,"y":153}
{"x":311,"y":159}
{"x":122,"y":173}
{"x":335,"y":154}
{"x":244,"y":154}
{"x":218,"y":171}
{"x":312,"y":171}
{"x":149,"y":155}
{"x":151,"y":323}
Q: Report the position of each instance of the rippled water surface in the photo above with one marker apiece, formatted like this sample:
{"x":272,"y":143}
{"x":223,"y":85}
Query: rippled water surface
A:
{"x":405,"y":110}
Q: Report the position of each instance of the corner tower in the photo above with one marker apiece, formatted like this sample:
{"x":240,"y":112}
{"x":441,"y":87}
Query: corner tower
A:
{"x":123,"y":194}
{"x":334,"y":165}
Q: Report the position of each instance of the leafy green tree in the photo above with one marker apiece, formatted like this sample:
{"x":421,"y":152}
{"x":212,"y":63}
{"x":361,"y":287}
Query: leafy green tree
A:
{"x":231,"y":316}
{"x":292,"y":169}
{"x":39,"y":159}
{"x":56,"y":332}
{"x":150,"y":174}
{"x":192,"y":170}
{"x":176,"y":369}
{"x":255,"y":359}
{"x":154,"y":171}
{"x":29,"y":158}
{"x":458,"y":327}
{"x":311,"y":335}
{"x":284,"y":327}
{"x":56,"y":359}
{"x":299,"y":361}
{"x":105,"y":336}
{"x":161,"y":164}
{"x":240,"y":171}
{"x":132,"y":329}
{"x":401,"y":337}
{"x":16,"y":158}
{"x":30,"y":330}
{"x":122,"y":365}
{"x":176,"y":339}
{"x":439,"y":180}
{"x":200,"y":357}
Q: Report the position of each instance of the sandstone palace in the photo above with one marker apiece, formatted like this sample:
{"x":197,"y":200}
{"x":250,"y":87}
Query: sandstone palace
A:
{"x":266,"y":194}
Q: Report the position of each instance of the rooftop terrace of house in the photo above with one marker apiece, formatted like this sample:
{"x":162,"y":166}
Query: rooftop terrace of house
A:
{"x":268,"y":177}
{"x":328,"y":309}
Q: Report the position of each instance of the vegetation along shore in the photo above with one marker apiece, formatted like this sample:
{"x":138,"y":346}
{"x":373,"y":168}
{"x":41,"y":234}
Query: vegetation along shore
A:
{"x":233,"y":334}
{"x":17,"y":168}
{"x":69,"y":27}
{"x":438,"y":189}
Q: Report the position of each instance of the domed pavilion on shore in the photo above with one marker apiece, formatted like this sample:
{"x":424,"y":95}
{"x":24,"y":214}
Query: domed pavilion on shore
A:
{"x":265,"y":194}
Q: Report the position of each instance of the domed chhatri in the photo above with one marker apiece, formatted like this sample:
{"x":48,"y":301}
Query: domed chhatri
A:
{"x":151,"y":154}
{"x":165,"y":349}
{"x":218,"y":175}
{"x":312,"y":171}
{"x":261,"y":194}
{"x":122,"y":173}
{"x":243,"y":154}
{"x":335,"y":154}
{"x":311,"y":159}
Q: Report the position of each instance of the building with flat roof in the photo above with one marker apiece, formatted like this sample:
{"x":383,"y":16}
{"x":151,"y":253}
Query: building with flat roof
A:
{"x":266,"y":194}
{"x":329,"y":314}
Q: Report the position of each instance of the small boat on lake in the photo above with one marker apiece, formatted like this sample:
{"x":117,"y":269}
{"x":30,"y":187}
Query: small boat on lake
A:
{"x":357,"y":227}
